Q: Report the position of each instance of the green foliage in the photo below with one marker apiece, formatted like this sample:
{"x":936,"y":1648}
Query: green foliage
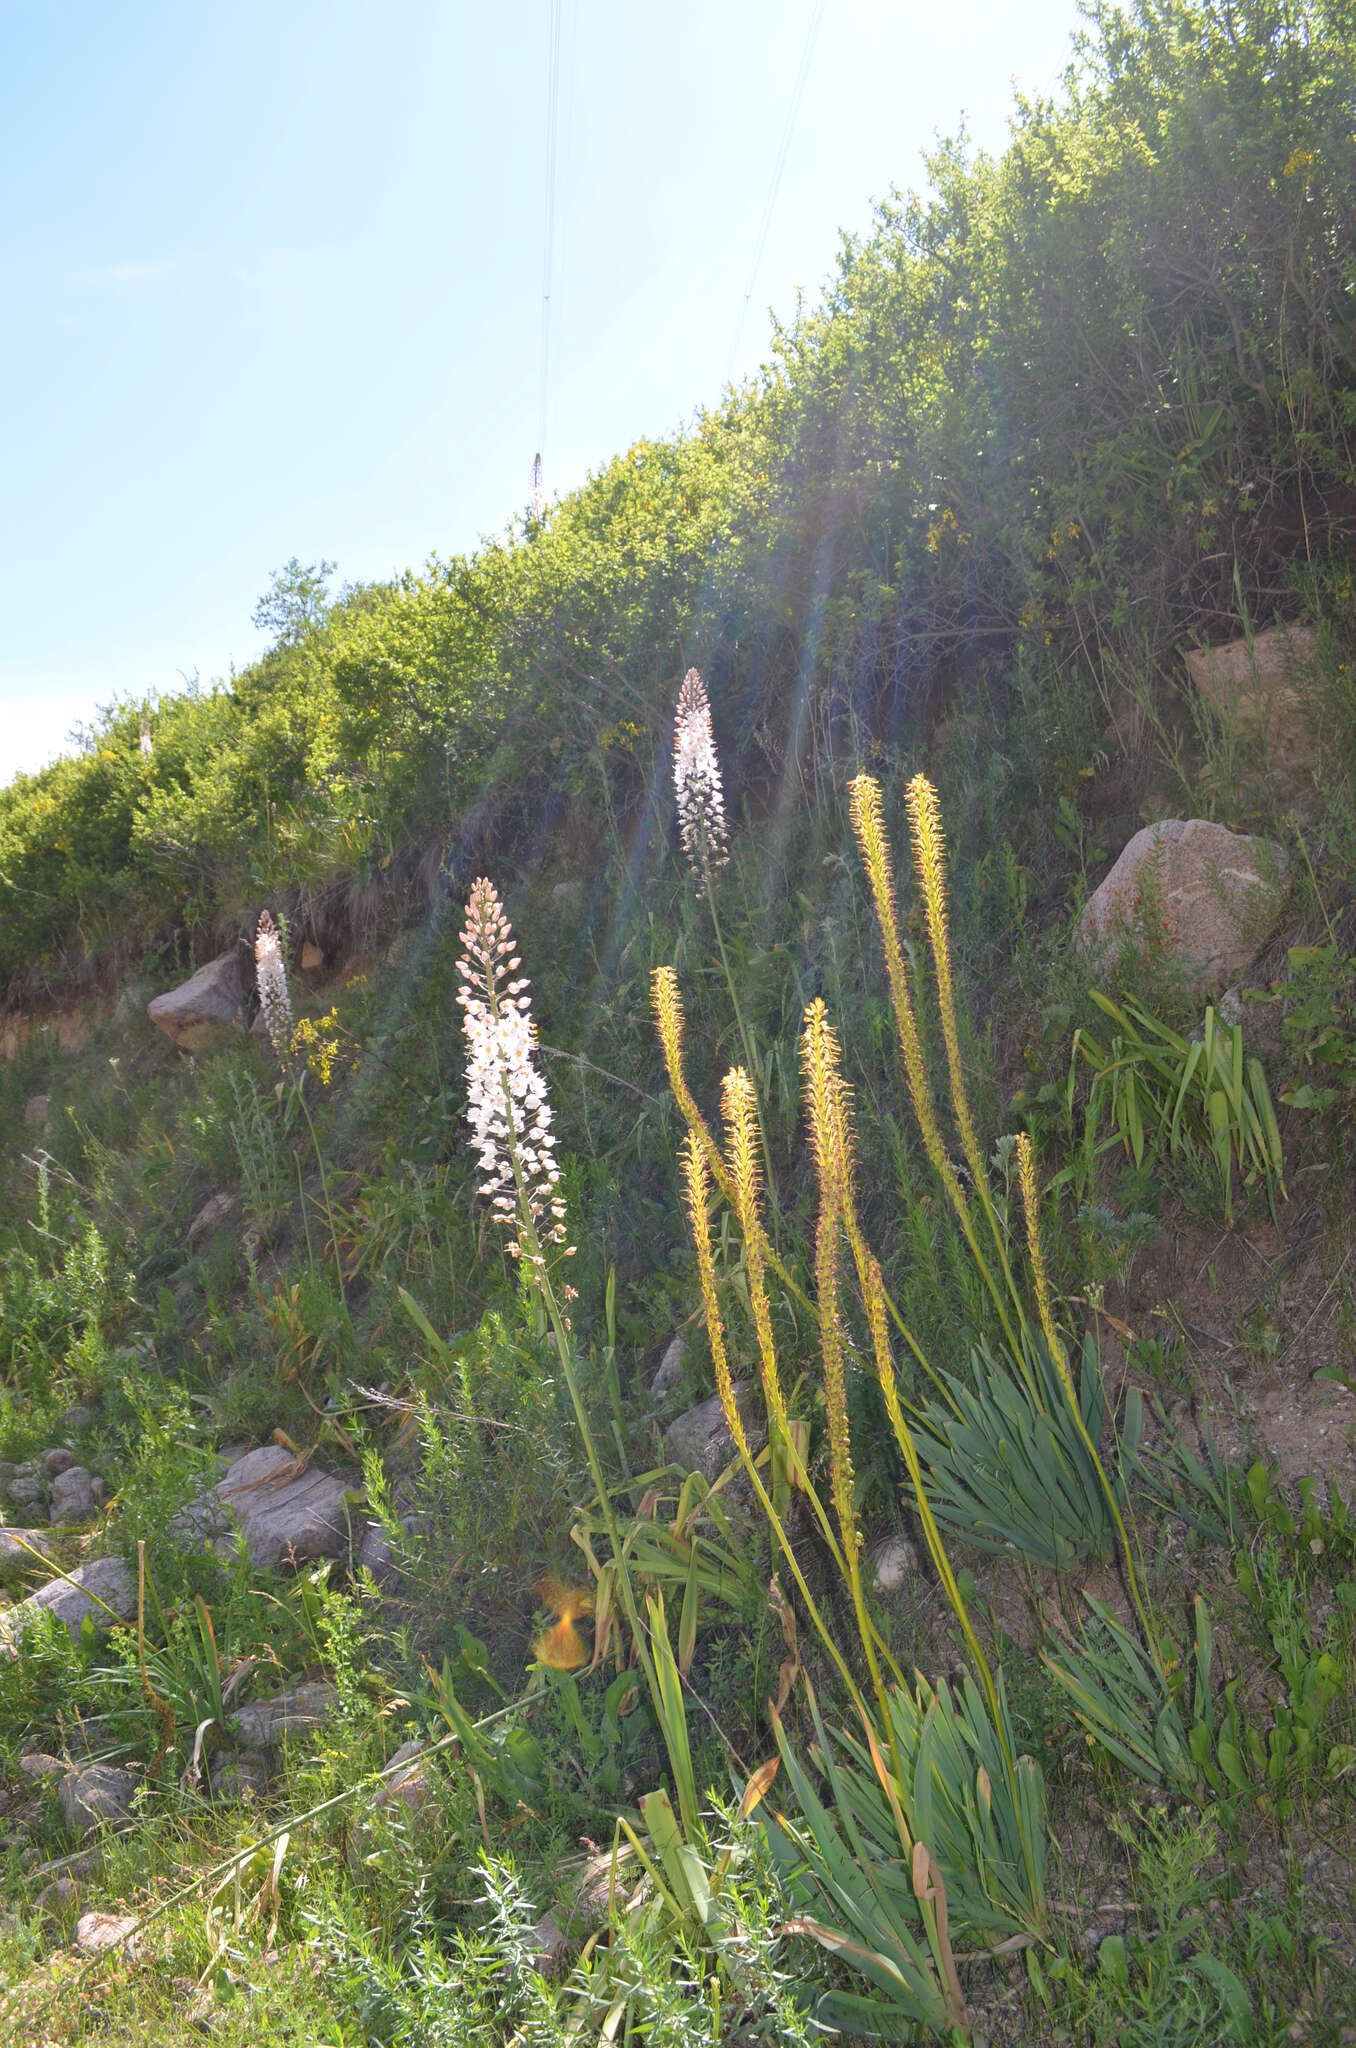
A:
{"x":1061,"y":406}
{"x":1010,"y":1473}
{"x":1201,"y":1098}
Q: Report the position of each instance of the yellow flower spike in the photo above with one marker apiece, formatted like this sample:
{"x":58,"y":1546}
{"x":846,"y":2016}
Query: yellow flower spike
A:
{"x":929,"y":854}
{"x":929,"y":851}
{"x":741,"y":1116}
{"x":694,"y":1177}
{"x":741,"y":1136}
{"x":695,"y":1186}
{"x":868,"y":823}
{"x":1026,"y":1174}
{"x":668,"y":1013}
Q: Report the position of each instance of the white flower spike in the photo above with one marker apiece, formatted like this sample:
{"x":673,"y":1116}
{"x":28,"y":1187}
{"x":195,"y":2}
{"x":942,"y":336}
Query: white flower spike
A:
{"x":696,"y":779}
{"x":506,"y":1103}
{"x":275,"y":998}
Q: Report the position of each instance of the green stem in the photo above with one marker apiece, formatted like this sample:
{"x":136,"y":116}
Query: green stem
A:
{"x":749,"y":1060}
{"x":324,"y":1189}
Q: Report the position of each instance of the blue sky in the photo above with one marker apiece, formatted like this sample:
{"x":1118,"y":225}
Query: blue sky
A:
{"x":274,"y":277}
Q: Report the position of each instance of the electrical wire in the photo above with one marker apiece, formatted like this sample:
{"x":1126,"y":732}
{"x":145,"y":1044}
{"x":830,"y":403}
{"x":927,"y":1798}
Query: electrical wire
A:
{"x":549,"y":222}
{"x":779,"y":167}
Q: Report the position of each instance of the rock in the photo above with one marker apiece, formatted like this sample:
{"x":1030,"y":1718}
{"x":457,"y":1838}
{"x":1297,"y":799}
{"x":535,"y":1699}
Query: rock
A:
{"x":411,"y":1788}
{"x":24,"y":1485}
{"x":237,"y":1774}
{"x":283,"y":1515}
{"x":568,"y":896}
{"x":1259,"y":1014}
{"x":895,"y":1564}
{"x":97,"y":1932}
{"x":1261,"y":688}
{"x":267,"y":1724}
{"x":214,"y":1212}
{"x":73,"y":1496}
{"x":76,"y":1419}
{"x":376,"y":1554}
{"x":549,"y":1945}
{"x":38,"y":1765}
{"x":201,"y":1011}
{"x":37,"y":1112}
{"x":699,"y":1440}
{"x":1206,"y":897}
{"x":17,"y":1546}
{"x":669,"y":1372}
{"x":58,"y":1897}
{"x":312,"y":958}
{"x":58,"y":1459}
{"x":91,"y":1589}
{"x":98,"y":1793}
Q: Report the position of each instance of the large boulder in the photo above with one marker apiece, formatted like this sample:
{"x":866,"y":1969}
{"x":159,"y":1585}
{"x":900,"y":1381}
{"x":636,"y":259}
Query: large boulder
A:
{"x":288,"y":1715}
{"x":102,"y":1589}
{"x":1204,"y":897}
{"x":98,"y":1794}
{"x":700,"y":1441}
{"x":1259,"y":686}
{"x":286,"y":1512}
{"x":17,"y":1546}
{"x":203,"y":1009}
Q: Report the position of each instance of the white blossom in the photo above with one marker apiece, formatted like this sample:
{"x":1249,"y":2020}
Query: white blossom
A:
{"x":275,"y":999}
{"x":506,"y":1103}
{"x":696,"y":779}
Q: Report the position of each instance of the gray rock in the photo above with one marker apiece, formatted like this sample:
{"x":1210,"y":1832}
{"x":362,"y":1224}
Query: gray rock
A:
{"x":76,"y":1419}
{"x":98,"y":1794}
{"x":37,"y":1112}
{"x":73,"y":1496}
{"x":17,"y":1546}
{"x":669,"y":1372}
{"x":411,"y":1787}
{"x":97,"y":1932}
{"x":236,"y":1774}
{"x":283,"y":1515}
{"x":58,"y":1459}
{"x":289,"y":1715}
{"x":1260,"y":1016}
{"x":1205,"y":897}
{"x":699,"y":1440}
{"x":58,"y":1897}
{"x":377,"y":1554}
{"x":203,"y":1009}
{"x":91,"y":1589}
{"x":215,"y":1211}
{"x":38,"y":1765}
{"x":895,"y":1564}
{"x":26,"y":1485}
{"x":550,"y":1947}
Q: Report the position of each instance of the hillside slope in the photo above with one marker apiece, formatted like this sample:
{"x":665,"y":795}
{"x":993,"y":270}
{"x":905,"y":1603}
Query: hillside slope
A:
{"x":888,"y":1567}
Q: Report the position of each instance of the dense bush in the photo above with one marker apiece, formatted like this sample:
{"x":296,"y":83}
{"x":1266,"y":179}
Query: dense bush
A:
{"x":1062,"y":410}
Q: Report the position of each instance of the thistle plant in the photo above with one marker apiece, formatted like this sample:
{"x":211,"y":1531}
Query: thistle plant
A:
{"x":702,"y":828}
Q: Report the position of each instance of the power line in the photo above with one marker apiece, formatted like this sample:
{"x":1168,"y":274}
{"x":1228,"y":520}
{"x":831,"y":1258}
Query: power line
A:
{"x":783,"y":151}
{"x":549,"y":223}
